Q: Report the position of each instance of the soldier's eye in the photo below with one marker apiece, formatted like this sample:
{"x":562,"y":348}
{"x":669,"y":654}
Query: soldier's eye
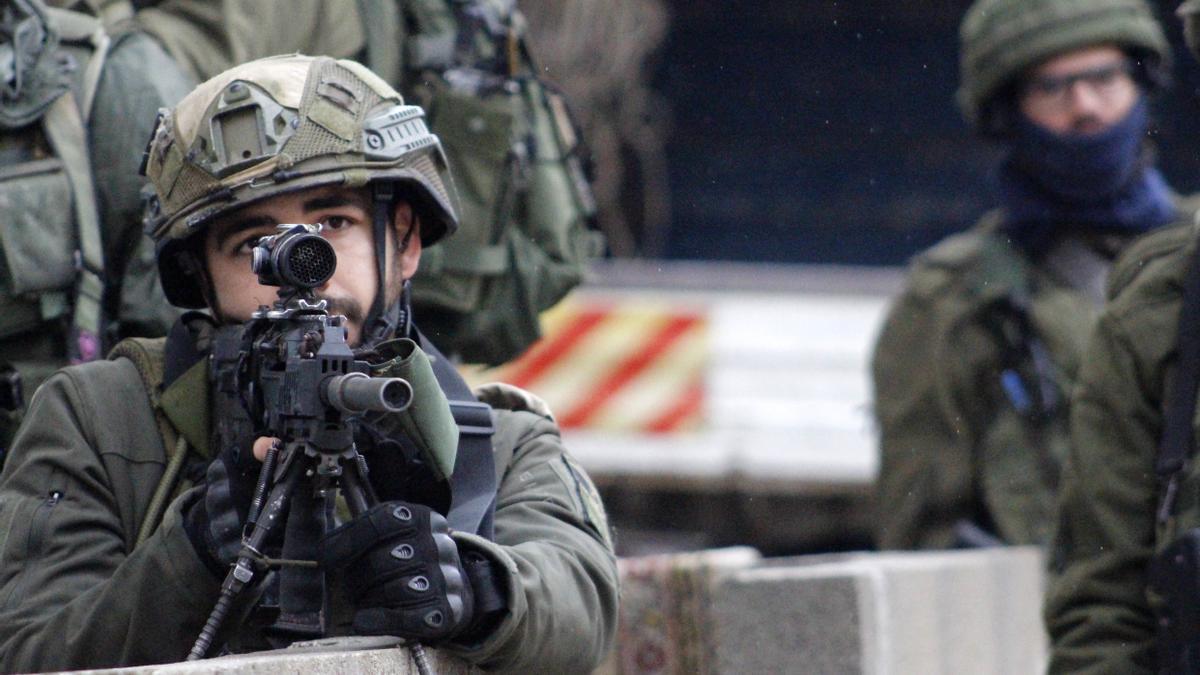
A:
{"x":246,"y":245}
{"x":335,"y":223}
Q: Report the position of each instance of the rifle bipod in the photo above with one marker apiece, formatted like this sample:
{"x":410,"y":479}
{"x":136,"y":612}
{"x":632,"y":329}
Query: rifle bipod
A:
{"x":345,"y":471}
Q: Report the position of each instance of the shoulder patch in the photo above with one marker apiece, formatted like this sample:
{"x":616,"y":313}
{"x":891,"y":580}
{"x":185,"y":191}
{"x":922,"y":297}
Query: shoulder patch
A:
{"x":504,"y":396}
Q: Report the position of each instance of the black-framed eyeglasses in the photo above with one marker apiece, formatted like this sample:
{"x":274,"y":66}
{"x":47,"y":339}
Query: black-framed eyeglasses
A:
{"x":1055,"y":89}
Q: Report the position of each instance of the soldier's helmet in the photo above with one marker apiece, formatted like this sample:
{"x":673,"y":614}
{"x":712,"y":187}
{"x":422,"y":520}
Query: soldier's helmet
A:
{"x":279,"y":125}
{"x":1001,"y":39}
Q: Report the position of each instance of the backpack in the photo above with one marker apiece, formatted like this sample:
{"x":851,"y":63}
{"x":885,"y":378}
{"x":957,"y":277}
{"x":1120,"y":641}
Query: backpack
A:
{"x":51,"y":251}
{"x":53,"y":256}
{"x":526,"y":208}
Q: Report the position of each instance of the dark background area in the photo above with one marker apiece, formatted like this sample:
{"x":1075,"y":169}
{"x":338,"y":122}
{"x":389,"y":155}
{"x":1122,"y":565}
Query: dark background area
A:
{"x":827,"y":132}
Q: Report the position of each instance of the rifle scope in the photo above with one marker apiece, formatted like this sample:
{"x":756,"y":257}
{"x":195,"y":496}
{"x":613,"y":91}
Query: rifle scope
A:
{"x":355,"y":393}
{"x":296,"y":257}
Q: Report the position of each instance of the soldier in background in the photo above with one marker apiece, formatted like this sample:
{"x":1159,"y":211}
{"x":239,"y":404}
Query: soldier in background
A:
{"x":76,"y":105}
{"x":526,"y":203}
{"x":1124,"y":594}
{"x":979,"y":353}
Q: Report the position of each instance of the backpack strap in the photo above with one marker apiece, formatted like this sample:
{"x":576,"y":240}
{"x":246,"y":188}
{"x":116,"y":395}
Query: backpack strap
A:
{"x":111,"y":12}
{"x":147,"y":356}
{"x":79,"y":27}
{"x":65,"y":124}
{"x":1177,"y":445}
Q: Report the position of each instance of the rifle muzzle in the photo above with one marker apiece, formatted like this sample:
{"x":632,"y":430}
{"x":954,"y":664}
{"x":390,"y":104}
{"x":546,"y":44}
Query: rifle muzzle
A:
{"x":357,"y":393}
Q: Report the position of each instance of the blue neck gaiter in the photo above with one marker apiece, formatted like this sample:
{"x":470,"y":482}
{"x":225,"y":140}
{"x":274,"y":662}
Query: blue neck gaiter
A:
{"x":1092,"y":181}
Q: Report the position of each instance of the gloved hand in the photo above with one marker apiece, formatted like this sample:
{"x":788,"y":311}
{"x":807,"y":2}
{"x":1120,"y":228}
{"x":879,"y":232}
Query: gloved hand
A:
{"x":403,"y":573}
{"x":215,"y":519}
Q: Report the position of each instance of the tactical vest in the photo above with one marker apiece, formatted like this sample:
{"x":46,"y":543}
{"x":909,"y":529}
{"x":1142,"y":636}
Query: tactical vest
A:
{"x":525,"y":203}
{"x":53,"y":256}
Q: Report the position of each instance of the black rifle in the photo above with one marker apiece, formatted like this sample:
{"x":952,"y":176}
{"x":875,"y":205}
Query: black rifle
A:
{"x":300,"y":383}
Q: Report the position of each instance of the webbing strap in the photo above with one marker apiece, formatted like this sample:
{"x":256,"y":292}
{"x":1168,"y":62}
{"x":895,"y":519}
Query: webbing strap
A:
{"x":65,"y":130}
{"x":166,"y":484}
{"x":112,"y":12}
{"x":95,"y":68}
{"x":1177,"y":444}
{"x":79,"y":27}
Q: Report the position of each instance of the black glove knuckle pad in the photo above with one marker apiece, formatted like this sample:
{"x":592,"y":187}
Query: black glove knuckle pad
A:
{"x":402,"y":572}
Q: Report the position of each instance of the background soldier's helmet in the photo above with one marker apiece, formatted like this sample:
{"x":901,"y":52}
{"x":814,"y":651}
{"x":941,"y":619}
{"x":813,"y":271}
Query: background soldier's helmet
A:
{"x":279,"y":125}
{"x":1001,"y":39}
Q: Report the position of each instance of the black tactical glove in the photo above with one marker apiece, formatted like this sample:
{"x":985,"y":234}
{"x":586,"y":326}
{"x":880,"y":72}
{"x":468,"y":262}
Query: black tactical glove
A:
{"x":403,"y":573}
{"x":214,"y":520}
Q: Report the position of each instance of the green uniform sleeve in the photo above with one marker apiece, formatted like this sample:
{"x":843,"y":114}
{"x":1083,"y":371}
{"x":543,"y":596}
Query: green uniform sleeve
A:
{"x":1096,"y":610}
{"x":926,"y":473}
{"x":73,"y":593}
{"x":552,"y":541}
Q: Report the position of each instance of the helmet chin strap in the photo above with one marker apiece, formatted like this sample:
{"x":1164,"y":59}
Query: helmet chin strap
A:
{"x":383,"y":322}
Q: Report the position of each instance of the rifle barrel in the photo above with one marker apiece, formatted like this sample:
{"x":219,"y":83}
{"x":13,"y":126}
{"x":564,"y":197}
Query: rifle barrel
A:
{"x":355,"y":393}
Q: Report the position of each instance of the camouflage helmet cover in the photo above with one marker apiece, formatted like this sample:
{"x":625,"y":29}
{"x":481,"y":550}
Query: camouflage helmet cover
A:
{"x":279,"y":125}
{"x":1003,"y":38}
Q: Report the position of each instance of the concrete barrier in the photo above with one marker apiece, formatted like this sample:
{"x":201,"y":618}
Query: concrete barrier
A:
{"x":876,"y":614}
{"x":336,"y":656}
{"x":731,"y":611}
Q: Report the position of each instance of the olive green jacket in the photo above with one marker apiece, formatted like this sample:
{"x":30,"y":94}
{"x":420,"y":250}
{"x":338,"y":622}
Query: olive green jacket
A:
{"x":75,"y":591}
{"x":1098,"y":611}
{"x":955,"y":444}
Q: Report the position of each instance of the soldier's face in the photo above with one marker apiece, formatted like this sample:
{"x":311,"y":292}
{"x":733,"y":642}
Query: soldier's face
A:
{"x":345,"y":217}
{"x":1079,"y":92}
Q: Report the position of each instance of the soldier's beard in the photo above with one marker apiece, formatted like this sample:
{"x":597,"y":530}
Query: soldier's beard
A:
{"x":348,"y":307}
{"x":355,"y":312}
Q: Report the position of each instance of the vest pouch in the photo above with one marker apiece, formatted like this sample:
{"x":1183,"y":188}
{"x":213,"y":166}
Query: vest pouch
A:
{"x":477,"y":132}
{"x":38,"y":238}
{"x":507,"y":323}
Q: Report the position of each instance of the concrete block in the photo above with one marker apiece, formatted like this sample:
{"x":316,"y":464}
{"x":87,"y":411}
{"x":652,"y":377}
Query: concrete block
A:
{"x":790,"y":620}
{"x":884,"y":614}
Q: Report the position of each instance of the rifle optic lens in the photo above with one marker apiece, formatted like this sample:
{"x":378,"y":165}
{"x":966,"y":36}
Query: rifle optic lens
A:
{"x":306,"y":261}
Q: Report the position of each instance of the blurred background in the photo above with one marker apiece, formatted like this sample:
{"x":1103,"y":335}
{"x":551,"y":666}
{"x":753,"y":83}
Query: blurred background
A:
{"x":764,"y":171}
{"x":822,"y":131}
